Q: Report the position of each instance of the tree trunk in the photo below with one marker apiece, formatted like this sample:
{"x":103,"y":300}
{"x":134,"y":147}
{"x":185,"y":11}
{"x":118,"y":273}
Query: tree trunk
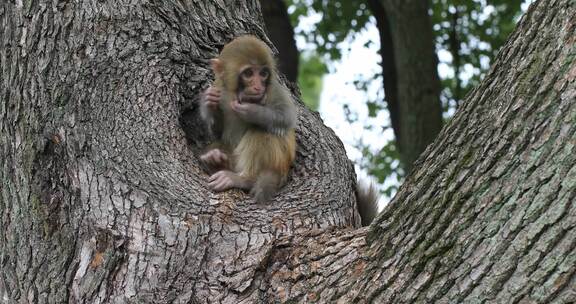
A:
{"x":389,"y":73}
{"x":489,"y":213}
{"x":103,"y":201}
{"x":281,"y":33}
{"x":418,"y":91}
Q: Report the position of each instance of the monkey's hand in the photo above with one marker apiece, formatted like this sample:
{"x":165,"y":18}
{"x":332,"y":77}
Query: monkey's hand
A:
{"x":224,"y":180}
{"x":276,"y":120}
{"x":211,"y":98}
{"x":215,"y":158}
{"x":244,"y":110}
{"x":252,"y":113}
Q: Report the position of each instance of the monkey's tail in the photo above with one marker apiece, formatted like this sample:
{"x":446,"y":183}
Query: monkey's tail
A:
{"x":367,"y":197}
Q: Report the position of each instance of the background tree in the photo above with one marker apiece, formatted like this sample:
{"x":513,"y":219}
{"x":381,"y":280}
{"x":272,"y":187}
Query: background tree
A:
{"x":103,"y":199}
{"x":415,"y":113}
{"x":310,"y":81}
{"x":466,"y":33}
{"x":419,"y":112}
{"x":471,"y":32}
{"x":309,"y":74}
{"x":281,"y":33}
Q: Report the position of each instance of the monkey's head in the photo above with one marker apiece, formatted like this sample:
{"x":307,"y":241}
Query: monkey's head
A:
{"x":245,"y":68}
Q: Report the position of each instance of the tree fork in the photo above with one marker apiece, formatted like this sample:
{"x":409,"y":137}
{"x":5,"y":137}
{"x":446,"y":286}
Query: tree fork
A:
{"x":103,"y":199}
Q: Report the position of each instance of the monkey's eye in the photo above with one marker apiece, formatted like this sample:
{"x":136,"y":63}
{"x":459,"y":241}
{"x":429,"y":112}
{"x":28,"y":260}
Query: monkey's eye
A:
{"x":264,"y":73}
{"x":247,"y":73}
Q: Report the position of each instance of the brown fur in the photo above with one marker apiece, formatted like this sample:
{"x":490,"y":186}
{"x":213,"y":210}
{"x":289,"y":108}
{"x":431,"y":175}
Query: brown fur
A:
{"x":257,"y":155}
{"x":240,"y":52}
{"x":277,"y":154}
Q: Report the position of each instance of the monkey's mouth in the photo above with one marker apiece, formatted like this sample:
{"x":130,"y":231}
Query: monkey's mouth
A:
{"x":250,"y":98}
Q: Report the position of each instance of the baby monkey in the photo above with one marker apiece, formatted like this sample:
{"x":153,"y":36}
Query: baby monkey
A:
{"x":253,"y":117}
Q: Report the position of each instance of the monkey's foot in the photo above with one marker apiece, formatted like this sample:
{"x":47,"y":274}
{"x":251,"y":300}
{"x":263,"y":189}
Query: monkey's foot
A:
{"x":224,"y":180}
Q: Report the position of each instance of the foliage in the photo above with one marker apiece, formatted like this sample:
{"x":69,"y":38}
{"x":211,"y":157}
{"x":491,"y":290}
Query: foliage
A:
{"x":339,"y":20}
{"x":468,"y":34}
{"x":384,"y":165}
{"x":311,"y":72}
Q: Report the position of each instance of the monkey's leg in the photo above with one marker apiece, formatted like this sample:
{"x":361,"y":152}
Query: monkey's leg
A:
{"x":267,"y":184}
{"x":225,"y":179}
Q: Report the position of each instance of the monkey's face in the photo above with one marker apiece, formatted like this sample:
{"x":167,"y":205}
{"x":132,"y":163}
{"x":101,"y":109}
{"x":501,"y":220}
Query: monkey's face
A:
{"x":253,"y":81}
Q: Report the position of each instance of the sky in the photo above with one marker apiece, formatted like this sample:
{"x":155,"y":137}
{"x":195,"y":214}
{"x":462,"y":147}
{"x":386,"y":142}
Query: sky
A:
{"x":338,"y":90}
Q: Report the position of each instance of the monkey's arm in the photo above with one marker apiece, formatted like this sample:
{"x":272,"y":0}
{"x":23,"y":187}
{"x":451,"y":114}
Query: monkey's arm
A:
{"x":274,"y":118}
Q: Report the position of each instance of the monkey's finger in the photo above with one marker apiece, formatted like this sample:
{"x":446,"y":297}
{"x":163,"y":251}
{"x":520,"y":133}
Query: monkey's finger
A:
{"x":226,"y":184}
{"x":207,"y":155}
{"x":214,"y":182}
{"x":212,"y":185}
{"x":208,"y":159}
{"x":221,"y":185}
{"x":216,"y":176}
{"x":238,"y":108}
{"x":243,"y":107}
{"x":212,"y":99}
{"x":222,"y":158}
{"x":214,"y":94}
{"x":213,"y":90}
{"x":212,"y":178}
{"x":216,"y":160}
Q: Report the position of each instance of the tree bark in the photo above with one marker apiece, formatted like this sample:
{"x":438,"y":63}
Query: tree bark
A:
{"x":418,"y":85}
{"x":103,"y":200}
{"x":489,"y":214}
{"x":281,"y":33}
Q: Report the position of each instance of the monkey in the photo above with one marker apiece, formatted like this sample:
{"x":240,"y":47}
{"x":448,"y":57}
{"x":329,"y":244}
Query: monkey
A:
{"x":253,"y":118}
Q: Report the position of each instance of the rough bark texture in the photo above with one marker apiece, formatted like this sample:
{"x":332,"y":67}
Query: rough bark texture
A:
{"x":102,"y":197}
{"x":418,"y":91}
{"x":489,"y":214}
{"x":281,"y":33}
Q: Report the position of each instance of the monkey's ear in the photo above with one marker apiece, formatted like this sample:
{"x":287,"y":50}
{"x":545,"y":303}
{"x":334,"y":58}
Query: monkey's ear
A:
{"x":217,"y":66}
